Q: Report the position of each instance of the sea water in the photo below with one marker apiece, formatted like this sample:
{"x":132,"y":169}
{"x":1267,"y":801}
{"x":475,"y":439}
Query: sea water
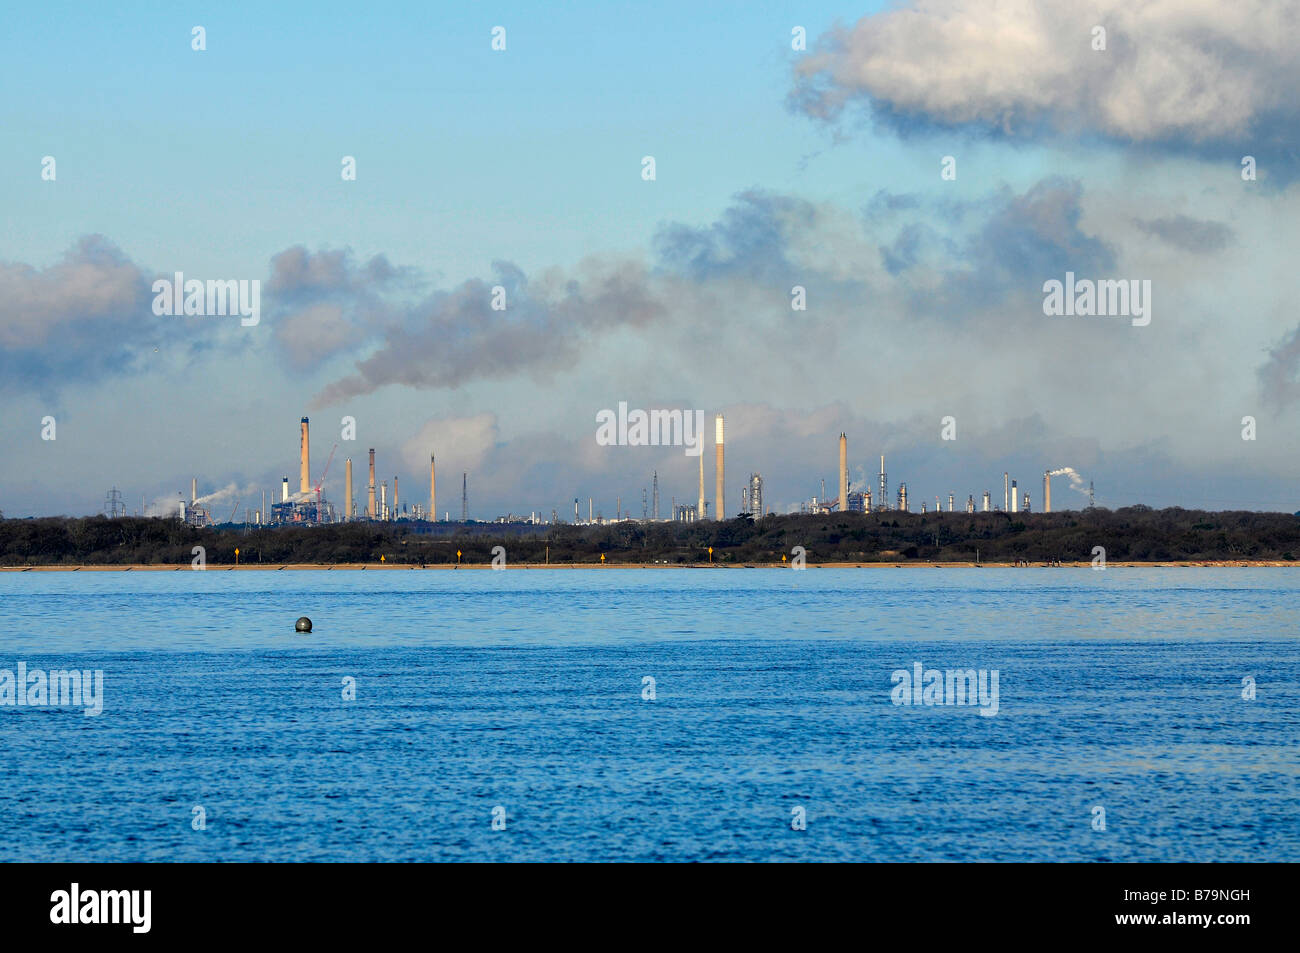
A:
{"x":641,"y":715}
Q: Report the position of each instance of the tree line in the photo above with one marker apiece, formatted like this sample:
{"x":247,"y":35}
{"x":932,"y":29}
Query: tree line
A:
{"x":1136,"y":533}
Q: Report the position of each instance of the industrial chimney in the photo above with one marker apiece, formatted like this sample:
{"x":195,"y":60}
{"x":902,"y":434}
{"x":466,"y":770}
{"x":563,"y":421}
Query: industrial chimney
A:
{"x":396,"y":504}
{"x":304,"y":466}
{"x":349,"y":510}
{"x":1047,"y":491}
{"x":720,"y":509}
{"x":699,"y":508}
{"x":194,"y":490}
{"x":433,"y":492}
{"x":1015,"y":500}
{"x":370,"y":489}
{"x":284,"y":491}
{"x":844,"y":473}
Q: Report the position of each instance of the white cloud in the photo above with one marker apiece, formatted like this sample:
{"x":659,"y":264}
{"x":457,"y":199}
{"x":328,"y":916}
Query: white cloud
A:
{"x":1192,"y":72}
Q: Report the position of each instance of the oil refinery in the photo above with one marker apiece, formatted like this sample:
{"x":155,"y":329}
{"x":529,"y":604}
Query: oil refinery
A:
{"x":308,"y":504}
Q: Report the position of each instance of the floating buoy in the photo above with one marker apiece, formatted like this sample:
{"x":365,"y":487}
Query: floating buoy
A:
{"x":302,"y":625}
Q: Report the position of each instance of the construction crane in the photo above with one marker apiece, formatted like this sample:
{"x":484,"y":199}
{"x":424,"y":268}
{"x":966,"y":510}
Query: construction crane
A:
{"x":321,"y":481}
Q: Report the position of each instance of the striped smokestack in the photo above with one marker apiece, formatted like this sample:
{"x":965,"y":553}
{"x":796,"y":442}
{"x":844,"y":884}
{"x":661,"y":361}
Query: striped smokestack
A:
{"x":719,"y":506}
{"x":370,"y":489}
{"x":304,"y":466}
{"x":844,"y":473}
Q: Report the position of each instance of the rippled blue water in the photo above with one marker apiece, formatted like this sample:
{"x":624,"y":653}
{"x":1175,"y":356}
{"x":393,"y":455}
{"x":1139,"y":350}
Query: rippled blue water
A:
{"x":523,"y":689}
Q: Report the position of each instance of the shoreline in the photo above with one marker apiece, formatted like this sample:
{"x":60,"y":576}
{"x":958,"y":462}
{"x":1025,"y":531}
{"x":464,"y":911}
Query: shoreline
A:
{"x":387,"y":567}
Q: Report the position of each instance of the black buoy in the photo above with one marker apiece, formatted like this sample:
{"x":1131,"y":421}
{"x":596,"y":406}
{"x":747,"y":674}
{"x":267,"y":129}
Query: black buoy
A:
{"x":302,"y":625}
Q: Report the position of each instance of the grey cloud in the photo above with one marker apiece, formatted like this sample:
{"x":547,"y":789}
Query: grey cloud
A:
{"x":1015,"y":243}
{"x":87,"y":317}
{"x":297,"y":271}
{"x":456,"y":337}
{"x":904,"y":251}
{"x":885,"y":203}
{"x":324,"y":303}
{"x":1004,"y":247}
{"x":1279,"y":376}
{"x":751,"y":239}
{"x":1188,"y":234}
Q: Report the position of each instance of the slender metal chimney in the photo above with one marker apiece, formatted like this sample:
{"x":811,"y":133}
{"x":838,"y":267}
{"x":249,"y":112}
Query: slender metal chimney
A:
{"x":370,"y":489}
{"x":349,"y":510}
{"x":194,"y":490}
{"x":1006,"y":494}
{"x":284,"y":491}
{"x":304,"y":466}
{"x":844,"y":473}
{"x":383,"y":500}
{"x":433,"y":492}
{"x":720,"y":507}
{"x":699,"y":508}
{"x":397,"y":506}
{"x":1047,"y":491}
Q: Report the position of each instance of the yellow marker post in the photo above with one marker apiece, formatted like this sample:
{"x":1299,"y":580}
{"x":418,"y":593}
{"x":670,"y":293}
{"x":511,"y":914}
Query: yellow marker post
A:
{"x":458,"y":557}
{"x":381,"y":559}
{"x":710,"y":554}
{"x":602,"y":559}
{"x":783,"y":559}
{"x":236,"y":555}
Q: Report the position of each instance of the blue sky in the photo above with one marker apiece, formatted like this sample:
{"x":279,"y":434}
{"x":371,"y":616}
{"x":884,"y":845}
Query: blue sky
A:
{"x":465,"y":154}
{"x":924,"y":290}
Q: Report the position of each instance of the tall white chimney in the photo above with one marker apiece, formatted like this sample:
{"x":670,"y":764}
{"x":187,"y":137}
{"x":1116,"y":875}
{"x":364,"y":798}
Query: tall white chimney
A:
{"x":720,"y":506}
